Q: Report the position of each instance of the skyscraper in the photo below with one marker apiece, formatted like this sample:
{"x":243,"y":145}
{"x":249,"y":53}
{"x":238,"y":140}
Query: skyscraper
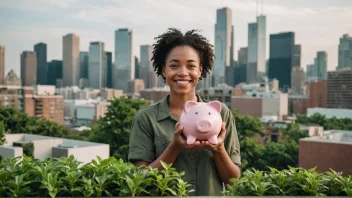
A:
{"x":28,"y":68}
{"x":241,"y":68}
{"x":223,"y":41}
{"x":256,"y":50}
{"x":136,"y":67}
{"x":321,"y":65}
{"x":84,"y":58}
{"x":281,"y":58}
{"x":345,"y":52}
{"x":109,"y":69}
{"x":124,"y":59}
{"x":54,"y":72}
{"x":70,"y":60}
{"x":297,"y":56}
{"x":146,"y":68}
{"x":2,"y":64}
{"x":41,"y":52}
{"x":97,"y":66}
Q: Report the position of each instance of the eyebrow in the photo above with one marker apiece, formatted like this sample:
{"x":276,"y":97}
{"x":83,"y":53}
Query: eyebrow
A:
{"x":188,"y":61}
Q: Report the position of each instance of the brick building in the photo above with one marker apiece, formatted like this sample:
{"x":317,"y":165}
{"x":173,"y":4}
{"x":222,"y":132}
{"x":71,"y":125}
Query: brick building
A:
{"x":332,"y":150}
{"x":26,"y":99}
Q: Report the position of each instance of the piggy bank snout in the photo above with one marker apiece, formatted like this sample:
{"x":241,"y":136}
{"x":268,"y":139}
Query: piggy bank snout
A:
{"x":204,"y":126}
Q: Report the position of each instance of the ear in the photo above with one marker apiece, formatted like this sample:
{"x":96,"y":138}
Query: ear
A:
{"x":216,"y":105}
{"x":189,"y":105}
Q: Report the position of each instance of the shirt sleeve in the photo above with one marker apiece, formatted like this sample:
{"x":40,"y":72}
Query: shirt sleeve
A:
{"x":232,"y":144}
{"x":141,"y":144}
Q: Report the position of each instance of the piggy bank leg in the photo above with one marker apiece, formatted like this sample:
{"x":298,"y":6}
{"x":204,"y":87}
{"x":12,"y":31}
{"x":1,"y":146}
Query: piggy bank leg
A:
{"x":191,"y":139}
{"x":213,"y":139}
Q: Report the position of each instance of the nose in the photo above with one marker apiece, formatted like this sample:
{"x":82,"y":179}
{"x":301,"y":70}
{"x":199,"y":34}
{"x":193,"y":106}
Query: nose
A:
{"x":182,"y":71}
{"x":204,"y":126}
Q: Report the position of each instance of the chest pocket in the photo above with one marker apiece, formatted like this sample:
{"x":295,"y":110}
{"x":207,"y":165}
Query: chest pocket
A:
{"x":162,"y":139}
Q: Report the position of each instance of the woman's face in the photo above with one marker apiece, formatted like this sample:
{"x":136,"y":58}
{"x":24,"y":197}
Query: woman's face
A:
{"x":182,"y":70}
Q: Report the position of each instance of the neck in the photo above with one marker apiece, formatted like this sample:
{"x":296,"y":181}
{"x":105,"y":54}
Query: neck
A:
{"x":177,"y":102}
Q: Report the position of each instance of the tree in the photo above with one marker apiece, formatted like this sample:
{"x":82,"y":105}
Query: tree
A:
{"x":18,"y":122}
{"x":115,"y":127}
{"x":2,"y":133}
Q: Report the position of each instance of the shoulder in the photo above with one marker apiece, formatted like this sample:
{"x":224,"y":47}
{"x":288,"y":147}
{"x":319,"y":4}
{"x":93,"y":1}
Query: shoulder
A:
{"x":148,"y":112}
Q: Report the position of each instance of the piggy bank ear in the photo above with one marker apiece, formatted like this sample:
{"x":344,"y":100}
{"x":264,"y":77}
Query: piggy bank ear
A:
{"x":189,"y":105}
{"x":216,"y":105}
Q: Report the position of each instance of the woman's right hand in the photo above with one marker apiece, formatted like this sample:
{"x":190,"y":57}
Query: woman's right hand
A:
{"x":181,"y":141}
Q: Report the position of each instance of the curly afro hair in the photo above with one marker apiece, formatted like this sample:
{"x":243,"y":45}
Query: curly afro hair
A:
{"x":172,"y":38}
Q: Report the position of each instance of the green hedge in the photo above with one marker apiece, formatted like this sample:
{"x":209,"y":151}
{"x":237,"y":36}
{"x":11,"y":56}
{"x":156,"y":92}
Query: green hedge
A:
{"x":66,"y":177}
{"x":291,"y":182}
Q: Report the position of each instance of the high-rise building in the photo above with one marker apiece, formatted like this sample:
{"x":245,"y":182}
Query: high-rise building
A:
{"x":41,"y":52}
{"x":223,"y":42}
{"x":241,"y":68}
{"x":28,"y":68}
{"x":70,"y":60}
{"x":317,"y":94}
{"x":12,"y":79}
{"x":124,"y":59}
{"x":54,"y":72}
{"x":298,"y":79}
{"x":146,"y":71}
{"x":345,"y":51}
{"x":136,"y":67}
{"x":2,"y":64}
{"x":312,"y":73}
{"x":109,"y":69}
{"x":339,"y":89}
{"x":84,"y":58}
{"x":97,"y":71}
{"x":321,"y":63}
{"x":297,"y":56}
{"x":256,"y":50}
{"x":281,"y":58}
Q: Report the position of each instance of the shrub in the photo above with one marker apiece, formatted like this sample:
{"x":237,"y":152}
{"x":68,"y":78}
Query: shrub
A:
{"x":66,"y":177}
{"x":290,"y":182}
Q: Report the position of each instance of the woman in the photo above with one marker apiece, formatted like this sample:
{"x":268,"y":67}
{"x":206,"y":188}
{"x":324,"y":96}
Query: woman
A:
{"x":183,"y":60}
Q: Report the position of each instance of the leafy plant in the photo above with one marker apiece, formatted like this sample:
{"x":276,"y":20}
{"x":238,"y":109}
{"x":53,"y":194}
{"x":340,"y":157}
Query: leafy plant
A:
{"x":66,"y":177}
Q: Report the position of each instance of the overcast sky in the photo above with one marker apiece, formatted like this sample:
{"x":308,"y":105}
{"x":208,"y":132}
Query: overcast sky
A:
{"x":318,"y":24}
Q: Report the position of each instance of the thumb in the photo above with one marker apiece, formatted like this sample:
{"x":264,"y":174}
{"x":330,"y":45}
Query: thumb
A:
{"x":179,"y":129}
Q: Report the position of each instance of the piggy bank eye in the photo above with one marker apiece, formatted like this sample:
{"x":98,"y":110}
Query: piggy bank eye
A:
{"x":196,"y":113}
{"x":209,"y":113}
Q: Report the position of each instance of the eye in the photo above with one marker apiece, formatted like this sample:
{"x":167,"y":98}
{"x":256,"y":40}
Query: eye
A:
{"x":173,"y":65}
{"x":196,"y":113}
{"x":209,"y":113}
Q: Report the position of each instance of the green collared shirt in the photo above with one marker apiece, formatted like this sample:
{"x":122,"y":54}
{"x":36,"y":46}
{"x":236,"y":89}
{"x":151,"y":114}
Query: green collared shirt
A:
{"x":153,"y":129}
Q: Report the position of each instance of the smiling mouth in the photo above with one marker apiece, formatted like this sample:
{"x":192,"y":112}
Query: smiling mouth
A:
{"x":183,"y":81}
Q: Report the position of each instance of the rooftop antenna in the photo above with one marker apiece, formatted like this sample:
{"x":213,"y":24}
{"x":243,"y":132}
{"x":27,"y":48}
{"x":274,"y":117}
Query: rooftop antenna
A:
{"x":257,"y":8}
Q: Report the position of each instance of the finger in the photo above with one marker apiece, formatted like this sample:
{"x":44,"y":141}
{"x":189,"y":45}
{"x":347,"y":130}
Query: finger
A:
{"x":179,"y":129}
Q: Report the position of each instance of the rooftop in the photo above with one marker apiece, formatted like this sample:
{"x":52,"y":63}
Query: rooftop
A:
{"x":332,"y":136}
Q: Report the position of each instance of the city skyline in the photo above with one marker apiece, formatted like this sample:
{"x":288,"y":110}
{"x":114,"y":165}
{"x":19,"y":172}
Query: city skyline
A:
{"x":318,"y":25}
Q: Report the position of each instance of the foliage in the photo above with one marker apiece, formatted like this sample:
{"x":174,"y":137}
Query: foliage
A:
{"x":327,"y":123}
{"x":18,"y":122}
{"x":274,"y":154}
{"x":2,"y":133}
{"x":28,"y":148}
{"x":115,"y":127}
{"x":290,"y":182}
{"x":66,"y":177}
{"x":292,"y":132}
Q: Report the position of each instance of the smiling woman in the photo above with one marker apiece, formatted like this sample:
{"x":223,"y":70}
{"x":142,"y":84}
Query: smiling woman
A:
{"x":156,"y":135}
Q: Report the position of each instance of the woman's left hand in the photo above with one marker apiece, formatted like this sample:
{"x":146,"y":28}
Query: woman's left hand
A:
{"x":221,"y":138}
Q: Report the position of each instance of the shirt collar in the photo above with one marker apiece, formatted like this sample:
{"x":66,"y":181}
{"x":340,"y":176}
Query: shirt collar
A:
{"x":163,"y":109}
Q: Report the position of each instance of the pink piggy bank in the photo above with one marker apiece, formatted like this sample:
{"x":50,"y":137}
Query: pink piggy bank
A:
{"x":201,"y":121}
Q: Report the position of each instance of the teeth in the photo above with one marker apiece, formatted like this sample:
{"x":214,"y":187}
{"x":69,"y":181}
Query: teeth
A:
{"x":182,"y":82}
